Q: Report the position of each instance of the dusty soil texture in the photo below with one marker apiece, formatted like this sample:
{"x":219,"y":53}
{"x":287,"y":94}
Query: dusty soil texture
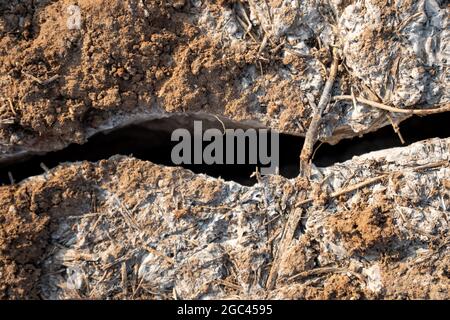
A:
{"x":373,"y":227}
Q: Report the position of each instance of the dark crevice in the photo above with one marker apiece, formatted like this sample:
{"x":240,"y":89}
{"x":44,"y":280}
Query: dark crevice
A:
{"x":151,"y":141}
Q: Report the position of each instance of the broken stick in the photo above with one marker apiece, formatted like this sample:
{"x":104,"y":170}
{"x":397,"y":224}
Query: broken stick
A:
{"x":444,"y":108}
{"x":39,"y":81}
{"x":313,"y":130}
{"x":11,"y":178}
{"x":286,"y":239}
{"x":351,"y":188}
{"x":11,"y":107}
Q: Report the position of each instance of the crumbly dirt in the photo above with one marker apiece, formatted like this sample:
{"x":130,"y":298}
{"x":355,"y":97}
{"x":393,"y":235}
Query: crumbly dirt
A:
{"x":128,"y":56}
{"x":366,"y":228}
{"x":23,"y":239}
{"x":117,"y":61}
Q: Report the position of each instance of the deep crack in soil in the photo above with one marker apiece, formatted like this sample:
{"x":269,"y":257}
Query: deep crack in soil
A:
{"x":151,"y":141}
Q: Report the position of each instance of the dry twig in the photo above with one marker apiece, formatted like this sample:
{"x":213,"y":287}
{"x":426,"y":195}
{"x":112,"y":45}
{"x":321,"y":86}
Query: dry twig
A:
{"x":396,"y":128}
{"x":325,"y":270}
{"x":11,"y":178}
{"x":286,"y":239}
{"x":382,"y":106}
{"x":11,"y":106}
{"x":313,"y":130}
{"x":39,"y":81}
{"x":350,"y":188}
{"x":44,"y":167}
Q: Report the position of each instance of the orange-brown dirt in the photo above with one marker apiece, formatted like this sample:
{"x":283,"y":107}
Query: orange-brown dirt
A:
{"x":120,"y":62}
{"x":25,"y":228}
{"x":23,"y":239}
{"x":56,"y":82}
{"x":366,"y":228}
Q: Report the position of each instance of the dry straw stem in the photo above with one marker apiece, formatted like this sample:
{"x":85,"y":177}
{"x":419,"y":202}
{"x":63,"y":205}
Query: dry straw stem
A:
{"x":326,"y":270}
{"x":223,"y":124}
{"x":41,"y":82}
{"x":444,"y":108}
{"x":131,"y":222}
{"x":313,"y":130}
{"x":433,"y":165}
{"x":11,"y":178}
{"x":124,"y":282}
{"x":396,"y":128}
{"x":11,"y":106}
{"x":248,"y":28}
{"x":351,"y":188}
{"x":7,"y":121}
{"x":286,"y":239}
{"x":44,"y":167}
{"x":370,"y":181}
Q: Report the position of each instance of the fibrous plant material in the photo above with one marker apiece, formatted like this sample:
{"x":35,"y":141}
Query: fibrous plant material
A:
{"x":376,"y":218}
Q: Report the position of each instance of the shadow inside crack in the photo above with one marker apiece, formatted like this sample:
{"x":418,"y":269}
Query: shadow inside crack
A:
{"x":151,"y":141}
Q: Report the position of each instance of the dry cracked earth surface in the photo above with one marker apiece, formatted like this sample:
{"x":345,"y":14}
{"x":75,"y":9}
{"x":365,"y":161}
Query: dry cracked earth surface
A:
{"x":372,"y":227}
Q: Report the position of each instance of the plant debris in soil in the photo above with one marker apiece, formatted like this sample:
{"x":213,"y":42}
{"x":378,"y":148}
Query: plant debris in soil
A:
{"x":373,"y":227}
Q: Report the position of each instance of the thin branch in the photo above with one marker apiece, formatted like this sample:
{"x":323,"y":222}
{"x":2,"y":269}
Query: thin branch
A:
{"x":396,"y":128}
{"x":444,"y":108}
{"x":313,"y":130}
{"x":286,"y":240}
{"x":370,"y":181}
{"x":351,"y":188}
{"x":325,"y":270}
{"x":11,"y":106}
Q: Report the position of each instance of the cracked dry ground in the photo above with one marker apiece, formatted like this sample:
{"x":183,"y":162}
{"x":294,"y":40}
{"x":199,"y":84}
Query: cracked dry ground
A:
{"x":374,"y":227}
